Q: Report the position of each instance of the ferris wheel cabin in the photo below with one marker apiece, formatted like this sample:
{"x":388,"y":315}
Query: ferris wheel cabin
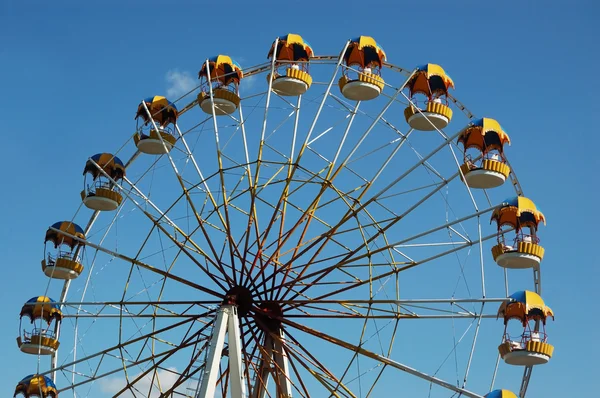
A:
{"x":362,"y":63}
{"x":530,"y":347}
{"x":41,"y":338}
{"x":104,"y":169}
{"x":428,"y":92}
{"x":220,"y":78}
{"x":484,"y":164}
{"x":291,"y":76}
{"x":155,"y":115}
{"x":63,"y":256}
{"x":520,"y":215}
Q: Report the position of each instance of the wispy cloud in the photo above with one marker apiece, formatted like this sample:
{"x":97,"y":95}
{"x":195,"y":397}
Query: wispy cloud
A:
{"x":167,"y":378}
{"x":179,"y":82}
{"x":249,"y":81}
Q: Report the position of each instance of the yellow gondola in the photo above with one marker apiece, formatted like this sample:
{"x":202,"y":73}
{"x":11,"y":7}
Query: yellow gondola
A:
{"x":362,"y":62}
{"x":158,"y":109}
{"x":154,"y":134}
{"x":484,"y":164}
{"x":291,"y":77}
{"x":36,"y":386}
{"x":64,"y":261}
{"x":222,"y":76}
{"x":45,"y":316}
{"x":431,"y":82}
{"x":500,"y":394}
{"x":100,"y":194}
{"x":518,"y":214}
{"x":530,"y":347}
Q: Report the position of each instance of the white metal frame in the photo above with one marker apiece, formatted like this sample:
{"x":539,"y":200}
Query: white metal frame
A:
{"x":227,"y":323}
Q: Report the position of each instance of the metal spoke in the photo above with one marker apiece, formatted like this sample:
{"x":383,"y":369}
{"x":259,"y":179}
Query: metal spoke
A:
{"x":381,"y":359}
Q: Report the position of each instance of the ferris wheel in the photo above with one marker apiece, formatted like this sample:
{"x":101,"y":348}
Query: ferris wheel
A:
{"x":311,"y":226}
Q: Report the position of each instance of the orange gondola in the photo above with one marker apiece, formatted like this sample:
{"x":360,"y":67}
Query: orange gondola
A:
{"x":36,"y":386}
{"x":220,"y":77}
{"x":100,"y":193}
{"x":515,"y":217}
{"x":45,"y":316}
{"x":530,"y":347}
{"x":485,"y":165}
{"x":428,"y":92}
{"x":157,"y":120}
{"x":63,"y":257}
{"x":362,"y":63}
{"x":291,"y":76}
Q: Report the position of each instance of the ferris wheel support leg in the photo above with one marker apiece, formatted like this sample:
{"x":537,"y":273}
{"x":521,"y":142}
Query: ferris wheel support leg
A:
{"x":217,"y":341}
{"x":281,"y":359}
{"x":236,"y":373}
{"x":274,"y":356}
{"x":227,"y":322}
{"x":262,"y":380}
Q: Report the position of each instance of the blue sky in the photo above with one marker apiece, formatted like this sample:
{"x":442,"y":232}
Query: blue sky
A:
{"x":72,"y":75}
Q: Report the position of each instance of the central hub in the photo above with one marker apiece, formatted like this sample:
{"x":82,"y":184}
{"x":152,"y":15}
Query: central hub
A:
{"x":269,"y":316}
{"x":266,"y":314}
{"x":241,"y":297}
